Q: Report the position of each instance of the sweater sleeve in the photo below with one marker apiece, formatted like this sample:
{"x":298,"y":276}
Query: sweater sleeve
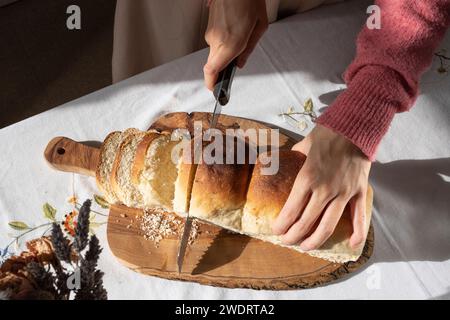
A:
{"x":383,"y":78}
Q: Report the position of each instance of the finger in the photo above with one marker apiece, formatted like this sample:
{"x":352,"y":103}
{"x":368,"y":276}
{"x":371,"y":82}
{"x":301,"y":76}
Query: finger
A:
{"x":326,"y":226}
{"x":358,"y":214}
{"x":257,"y":33}
{"x":303,"y":146}
{"x":300,"y":229}
{"x":219,"y":57}
{"x":297,"y":200}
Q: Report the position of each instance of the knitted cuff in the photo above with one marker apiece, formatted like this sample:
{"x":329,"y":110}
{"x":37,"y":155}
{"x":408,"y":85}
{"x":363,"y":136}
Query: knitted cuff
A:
{"x":364,"y":111}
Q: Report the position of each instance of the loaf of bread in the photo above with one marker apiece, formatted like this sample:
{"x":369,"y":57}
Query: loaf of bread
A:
{"x":148,"y":170}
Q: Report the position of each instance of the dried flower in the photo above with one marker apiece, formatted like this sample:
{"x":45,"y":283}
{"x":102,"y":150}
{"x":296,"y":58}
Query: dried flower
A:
{"x":39,"y":273}
{"x":42,"y":277}
{"x":101,"y":201}
{"x":98,"y":290}
{"x":72,"y":200}
{"x":299,"y":118}
{"x":60,"y":244}
{"x":42,"y":249}
{"x":94,"y":250}
{"x":82,"y":229}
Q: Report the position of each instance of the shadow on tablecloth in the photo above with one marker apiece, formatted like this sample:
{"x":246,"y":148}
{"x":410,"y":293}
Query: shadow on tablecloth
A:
{"x":412,"y":199}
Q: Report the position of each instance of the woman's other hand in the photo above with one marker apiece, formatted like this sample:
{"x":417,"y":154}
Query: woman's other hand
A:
{"x":234,"y":28}
{"x":335,"y":173}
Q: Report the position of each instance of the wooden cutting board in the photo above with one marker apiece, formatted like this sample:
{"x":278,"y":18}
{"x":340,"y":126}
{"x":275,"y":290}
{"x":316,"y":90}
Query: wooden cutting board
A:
{"x":217,"y":257}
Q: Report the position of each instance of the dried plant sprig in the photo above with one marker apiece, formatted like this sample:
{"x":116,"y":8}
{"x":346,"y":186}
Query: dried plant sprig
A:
{"x":94,"y":250}
{"x":299,"y":117}
{"x":61,"y":244}
{"x":99,"y":291}
{"x":42,"y":277}
{"x":51,"y":278}
{"x":82,"y":229}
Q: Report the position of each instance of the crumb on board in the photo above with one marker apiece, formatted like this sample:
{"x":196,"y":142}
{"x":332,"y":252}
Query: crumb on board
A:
{"x":157,"y":225}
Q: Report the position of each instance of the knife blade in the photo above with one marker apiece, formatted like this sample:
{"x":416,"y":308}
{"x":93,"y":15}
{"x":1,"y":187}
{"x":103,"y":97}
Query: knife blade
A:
{"x":184,"y":242}
{"x":222,"y":90}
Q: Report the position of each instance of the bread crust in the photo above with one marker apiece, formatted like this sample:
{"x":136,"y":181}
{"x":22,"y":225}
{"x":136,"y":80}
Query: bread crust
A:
{"x":267,"y":193}
{"x":266,"y":197}
{"x":98,"y":178}
{"x":219,"y":190}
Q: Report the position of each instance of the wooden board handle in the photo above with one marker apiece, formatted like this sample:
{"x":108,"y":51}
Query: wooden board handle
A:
{"x":64,"y":154}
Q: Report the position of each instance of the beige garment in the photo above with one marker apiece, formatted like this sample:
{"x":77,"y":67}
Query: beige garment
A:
{"x":148,"y":33}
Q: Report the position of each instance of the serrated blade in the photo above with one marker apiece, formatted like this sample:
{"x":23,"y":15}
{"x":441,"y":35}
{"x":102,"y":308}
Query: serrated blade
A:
{"x":184,"y":242}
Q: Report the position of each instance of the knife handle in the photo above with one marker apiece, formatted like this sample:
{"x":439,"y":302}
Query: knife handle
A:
{"x":222,"y":88}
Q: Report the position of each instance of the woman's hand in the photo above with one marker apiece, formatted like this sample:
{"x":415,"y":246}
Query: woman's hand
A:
{"x":234,"y":28}
{"x":335,"y":173}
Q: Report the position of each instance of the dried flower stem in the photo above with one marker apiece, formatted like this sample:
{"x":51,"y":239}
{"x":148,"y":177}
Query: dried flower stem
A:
{"x":16,"y":238}
{"x":78,"y":207}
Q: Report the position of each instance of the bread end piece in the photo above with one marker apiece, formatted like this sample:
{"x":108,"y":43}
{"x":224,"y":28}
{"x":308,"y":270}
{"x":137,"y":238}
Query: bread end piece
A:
{"x":108,"y":152}
{"x":266,"y":197}
{"x":121,"y":172}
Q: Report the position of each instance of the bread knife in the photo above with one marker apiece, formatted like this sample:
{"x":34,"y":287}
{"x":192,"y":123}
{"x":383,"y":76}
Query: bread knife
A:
{"x":184,"y":242}
{"x":222,"y":90}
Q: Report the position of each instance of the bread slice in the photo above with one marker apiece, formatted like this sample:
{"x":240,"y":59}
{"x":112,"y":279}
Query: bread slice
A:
{"x":219,"y":190}
{"x":121,"y":183}
{"x":266,"y":197}
{"x":105,"y":164}
{"x":186,"y":168}
{"x":155,"y":170}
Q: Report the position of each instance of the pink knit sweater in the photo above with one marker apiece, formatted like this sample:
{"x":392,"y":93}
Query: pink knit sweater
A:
{"x":383,"y":78}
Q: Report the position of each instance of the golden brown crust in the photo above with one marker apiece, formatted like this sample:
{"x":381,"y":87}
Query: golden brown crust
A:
{"x":268,"y":193}
{"x":266,"y":197}
{"x":141,"y":152}
{"x":101,"y":159}
{"x":219,"y":190}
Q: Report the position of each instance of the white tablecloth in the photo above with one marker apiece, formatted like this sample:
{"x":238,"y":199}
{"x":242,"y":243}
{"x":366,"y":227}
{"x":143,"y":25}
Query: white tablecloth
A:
{"x":300,"y":57}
